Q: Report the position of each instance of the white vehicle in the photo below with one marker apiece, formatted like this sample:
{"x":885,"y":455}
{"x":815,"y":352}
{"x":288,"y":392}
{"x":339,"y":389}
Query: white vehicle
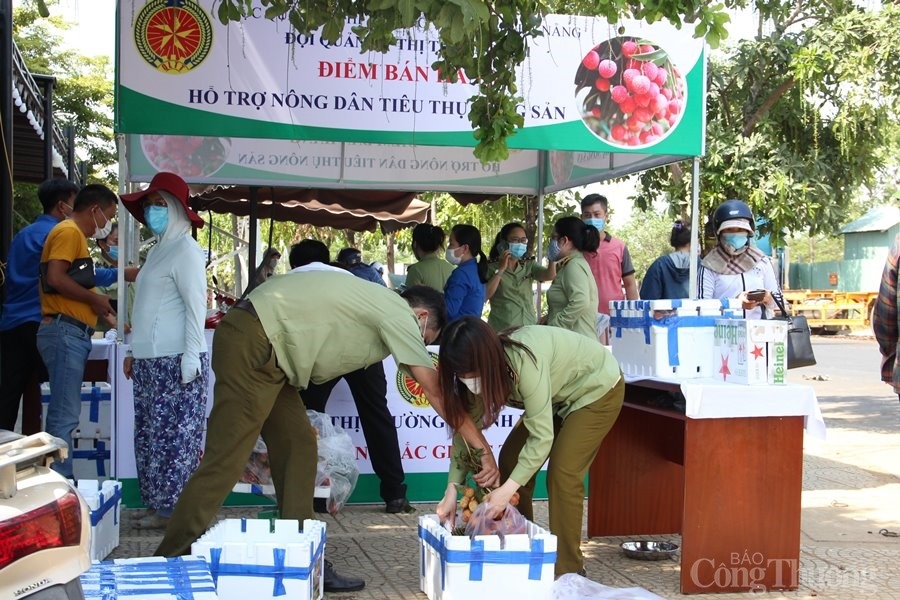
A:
{"x":45,"y":528}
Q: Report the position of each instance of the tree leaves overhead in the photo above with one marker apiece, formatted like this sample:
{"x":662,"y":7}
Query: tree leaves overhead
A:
{"x":486,"y":40}
{"x":83,"y":96}
{"x":801,"y":119}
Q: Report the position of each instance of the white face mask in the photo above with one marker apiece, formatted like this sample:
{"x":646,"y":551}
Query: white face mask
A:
{"x":101,"y":233}
{"x":474,"y":384}
{"x":451,"y":256}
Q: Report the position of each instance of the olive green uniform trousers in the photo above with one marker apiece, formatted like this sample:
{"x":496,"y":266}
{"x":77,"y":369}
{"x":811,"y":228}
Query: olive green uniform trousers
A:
{"x":251,"y":398}
{"x":575,"y":444}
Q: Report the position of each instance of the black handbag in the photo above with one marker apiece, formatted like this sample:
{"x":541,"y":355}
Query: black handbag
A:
{"x":81,"y":271}
{"x":799,"y":343}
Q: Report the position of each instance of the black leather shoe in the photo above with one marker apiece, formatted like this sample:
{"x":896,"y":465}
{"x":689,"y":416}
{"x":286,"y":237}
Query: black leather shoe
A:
{"x":399,"y":505}
{"x":339,"y":583}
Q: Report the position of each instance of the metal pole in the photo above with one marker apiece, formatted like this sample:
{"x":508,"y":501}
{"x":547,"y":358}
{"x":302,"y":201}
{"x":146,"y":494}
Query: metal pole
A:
{"x":6,"y":128}
{"x":127,"y":234}
{"x":539,"y":242}
{"x":254,"y":232}
{"x":695,"y":225}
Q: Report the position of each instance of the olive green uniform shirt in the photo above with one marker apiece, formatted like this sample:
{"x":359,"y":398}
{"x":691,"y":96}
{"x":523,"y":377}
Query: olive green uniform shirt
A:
{"x":569,"y":371}
{"x":432,"y":270}
{"x":572,"y":299}
{"x":323,"y":324}
{"x":512,"y":305}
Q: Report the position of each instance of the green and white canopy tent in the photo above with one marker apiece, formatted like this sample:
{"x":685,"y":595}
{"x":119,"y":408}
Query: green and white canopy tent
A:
{"x":253,"y":103}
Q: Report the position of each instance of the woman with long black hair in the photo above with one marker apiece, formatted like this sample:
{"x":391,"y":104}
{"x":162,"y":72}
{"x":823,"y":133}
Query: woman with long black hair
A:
{"x":571,"y":389}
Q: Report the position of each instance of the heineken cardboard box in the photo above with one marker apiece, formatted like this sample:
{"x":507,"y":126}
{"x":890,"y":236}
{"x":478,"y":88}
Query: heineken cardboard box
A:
{"x":750,"y":351}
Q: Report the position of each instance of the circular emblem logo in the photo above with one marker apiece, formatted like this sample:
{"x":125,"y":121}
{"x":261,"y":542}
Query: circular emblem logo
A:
{"x":409,"y":388}
{"x":174,"y":36}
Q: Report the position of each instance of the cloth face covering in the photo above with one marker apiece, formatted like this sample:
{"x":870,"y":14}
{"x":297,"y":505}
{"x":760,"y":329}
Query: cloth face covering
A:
{"x":157,"y":218}
{"x":101,"y":233}
{"x":473,"y":383}
{"x":553,"y":251}
{"x":451,"y":256}
{"x":735,"y":240}
{"x":517,"y":250}
{"x":598,"y":223}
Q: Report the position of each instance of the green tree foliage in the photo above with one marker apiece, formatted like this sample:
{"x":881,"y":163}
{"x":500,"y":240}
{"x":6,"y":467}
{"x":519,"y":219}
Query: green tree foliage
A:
{"x":83,"y":96}
{"x":800,"y":118}
{"x":483,"y":41}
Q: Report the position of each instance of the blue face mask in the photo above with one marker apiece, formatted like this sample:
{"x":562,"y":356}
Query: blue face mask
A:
{"x":598,"y":223}
{"x":735,"y":240}
{"x":517,"y":250}
{"x":553,"y":251}
{"x":157,"y":218}
{"x":114,"y":252}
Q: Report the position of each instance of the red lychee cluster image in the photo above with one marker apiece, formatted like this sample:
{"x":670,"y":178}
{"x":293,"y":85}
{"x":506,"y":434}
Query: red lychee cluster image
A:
{"x":633,"y":94}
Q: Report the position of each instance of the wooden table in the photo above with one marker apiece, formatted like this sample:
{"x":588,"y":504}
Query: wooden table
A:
{"x":730,"y":486}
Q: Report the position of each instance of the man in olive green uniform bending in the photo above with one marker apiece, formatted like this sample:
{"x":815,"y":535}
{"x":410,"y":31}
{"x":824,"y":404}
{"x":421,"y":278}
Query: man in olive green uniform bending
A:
{"x":300,"y":327}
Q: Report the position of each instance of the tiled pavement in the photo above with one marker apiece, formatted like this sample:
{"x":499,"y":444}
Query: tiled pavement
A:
{"x":851,"y":491}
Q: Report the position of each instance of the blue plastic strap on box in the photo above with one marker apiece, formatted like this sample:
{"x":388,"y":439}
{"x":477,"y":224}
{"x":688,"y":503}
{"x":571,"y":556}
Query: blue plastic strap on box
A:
{"x":476,"y":560}
{"x":94,"y":410}
{"x":643,"y":322}
{"x":278,"y":571}
{"x":176,"y":577}
{"x":672,"y":323}
{"x":477,"y":557}
{"x":535,"y":564}
{"x":99,"y":454}
{"x":105,"y":506}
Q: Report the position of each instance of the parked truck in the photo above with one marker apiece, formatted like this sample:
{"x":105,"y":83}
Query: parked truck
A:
{"x":828,"y":311}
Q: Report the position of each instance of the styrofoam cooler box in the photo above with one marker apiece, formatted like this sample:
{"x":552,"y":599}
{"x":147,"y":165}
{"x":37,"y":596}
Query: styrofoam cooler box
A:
{"x":259,"y":558}
{"x":669,"y":339}
{"x":105,"y":503}
{"x":456,"y":567}
{"x":91,"y":441}
{"x":96,"y":409}
{"x":751,"y":351}
{"x":152,"y":578}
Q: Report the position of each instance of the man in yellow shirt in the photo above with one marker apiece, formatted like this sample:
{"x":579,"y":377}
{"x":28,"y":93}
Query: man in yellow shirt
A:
{"x":70,"y":306}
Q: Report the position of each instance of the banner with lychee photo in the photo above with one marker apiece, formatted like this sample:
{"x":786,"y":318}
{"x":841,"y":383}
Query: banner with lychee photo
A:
{"x":587,"y":86}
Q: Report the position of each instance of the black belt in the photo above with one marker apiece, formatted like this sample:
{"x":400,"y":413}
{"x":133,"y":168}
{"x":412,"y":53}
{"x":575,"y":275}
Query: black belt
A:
{"x":245,"y":304}
{"x":72,"y":321}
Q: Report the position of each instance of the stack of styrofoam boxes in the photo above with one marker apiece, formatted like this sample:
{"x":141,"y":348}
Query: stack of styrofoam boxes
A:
{"x":751,"y":351}
{"x":259,"y":558}
{"x":92,"y":438}
{"x":667,"y":339}
{"x":457,"y":567}
{"x":105,"y":503}
{"x":153,"y":577}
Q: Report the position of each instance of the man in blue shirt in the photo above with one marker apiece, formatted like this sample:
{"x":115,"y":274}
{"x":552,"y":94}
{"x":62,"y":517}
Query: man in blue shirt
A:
{"x":21,"y":367}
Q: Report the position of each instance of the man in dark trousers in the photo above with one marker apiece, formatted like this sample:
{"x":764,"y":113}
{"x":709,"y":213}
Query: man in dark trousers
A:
{"x":368,"y":387}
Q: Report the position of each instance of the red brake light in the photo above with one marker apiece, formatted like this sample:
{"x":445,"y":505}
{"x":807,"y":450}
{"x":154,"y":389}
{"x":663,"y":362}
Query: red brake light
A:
{"x":55,"y":525}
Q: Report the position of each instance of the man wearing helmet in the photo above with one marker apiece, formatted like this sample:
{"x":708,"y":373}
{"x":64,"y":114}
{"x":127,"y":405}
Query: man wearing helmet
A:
{"x":734,"y":266}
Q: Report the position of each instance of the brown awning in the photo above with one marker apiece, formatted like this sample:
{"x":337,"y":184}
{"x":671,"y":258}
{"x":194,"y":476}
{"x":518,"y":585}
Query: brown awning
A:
{"x":339,"y":209}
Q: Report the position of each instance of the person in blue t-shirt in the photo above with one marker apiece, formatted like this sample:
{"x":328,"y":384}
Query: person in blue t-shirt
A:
{"x":21,"y":367}
{"x":464,"y":292}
